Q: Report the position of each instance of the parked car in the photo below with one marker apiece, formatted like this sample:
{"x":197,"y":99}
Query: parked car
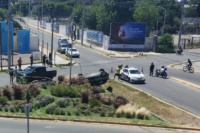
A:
{"x":73,"y":52}
{"x":63,"y":45}
{"x":36,"y":73}
{"x":98,"y":78}
{"x":62,"y":40}
{"x":132,"y":75}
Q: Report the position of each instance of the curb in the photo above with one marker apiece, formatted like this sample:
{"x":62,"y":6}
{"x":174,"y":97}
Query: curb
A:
{"x":112,"y":56}
{"x":186,"y":82}
{"x":102,"y":122}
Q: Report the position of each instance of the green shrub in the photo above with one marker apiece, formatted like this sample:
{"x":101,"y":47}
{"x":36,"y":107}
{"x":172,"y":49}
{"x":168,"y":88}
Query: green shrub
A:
{"x":102,"y":114}
{"x":3,"y":100}
{"x":95,"y":103}
{"x":44,"y":86}
{"x":85,"y":97}
{"x":77,"y":113}
{"x":19,"y":92}
{"x":62,"y":103}
{"x":12,"y":110}
{"x":17,"y":109}
{"x":110,"y":114}
{"x":165,"y":44}
{"x":69,"y":113}
{"x":28,"y":96}
{"x":51,"y":83}
{"x":128,"y":115}
{"x":34,"y":89}
{"x":62,"y":90}
{"x":57,"y":111}
{"x":120,"y":100}
{"x":6,"y":109}
{"x":51,"y":108}
{"x":8,"y":92}
{"x":62,"y":112}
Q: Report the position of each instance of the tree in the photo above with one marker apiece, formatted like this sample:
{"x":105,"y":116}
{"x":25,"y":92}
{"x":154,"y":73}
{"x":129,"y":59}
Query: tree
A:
{"x":3,"y":14}
{"x":198,"y":10}
{"x":90,"y":17}
{"x":147,"y":12}
{"x":165,"y":44}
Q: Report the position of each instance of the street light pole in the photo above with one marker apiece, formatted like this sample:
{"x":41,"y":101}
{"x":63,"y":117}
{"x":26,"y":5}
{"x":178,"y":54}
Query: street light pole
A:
{"x":52,"y":36}
{"x":163,"y":29}
{"x":181,"y":23}
{"x":9,"y":29}
{"x":83,"y":22}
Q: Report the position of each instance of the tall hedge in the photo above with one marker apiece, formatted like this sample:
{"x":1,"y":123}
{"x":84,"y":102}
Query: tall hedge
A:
{"x":165,"y":44}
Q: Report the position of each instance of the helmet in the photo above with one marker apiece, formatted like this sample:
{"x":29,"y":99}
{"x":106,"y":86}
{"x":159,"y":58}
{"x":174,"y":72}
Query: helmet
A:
{"x":163,"y":66}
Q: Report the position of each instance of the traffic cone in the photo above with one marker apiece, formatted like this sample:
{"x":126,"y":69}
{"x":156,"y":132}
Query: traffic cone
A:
{"x":111,"y":70}
{"x":142,"y":70}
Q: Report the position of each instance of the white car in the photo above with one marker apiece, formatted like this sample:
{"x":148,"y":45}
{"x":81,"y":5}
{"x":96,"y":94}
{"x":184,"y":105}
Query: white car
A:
{"x":132,"y":75}
{"x":73,"y":52}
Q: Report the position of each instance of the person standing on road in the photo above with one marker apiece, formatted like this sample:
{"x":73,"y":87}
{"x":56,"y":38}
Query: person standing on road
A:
{"x":11,"y":73}
{"x":50,"y":56}
{"x":44,"y":59}
{"x":31,"y":59}
{"x":20,"y":63}
{"x":118,"y":72}
{"x":151,"y":69}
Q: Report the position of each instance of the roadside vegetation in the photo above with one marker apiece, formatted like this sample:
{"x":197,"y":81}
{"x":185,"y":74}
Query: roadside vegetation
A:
{"x":110,"y":102}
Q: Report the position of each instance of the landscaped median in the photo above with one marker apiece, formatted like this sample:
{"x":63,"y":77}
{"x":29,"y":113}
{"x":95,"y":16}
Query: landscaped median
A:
{"x":111,"y":102}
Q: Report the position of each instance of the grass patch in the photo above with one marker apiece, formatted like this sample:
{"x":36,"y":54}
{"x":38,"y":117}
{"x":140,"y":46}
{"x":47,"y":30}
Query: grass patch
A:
{"x":163,"y":110}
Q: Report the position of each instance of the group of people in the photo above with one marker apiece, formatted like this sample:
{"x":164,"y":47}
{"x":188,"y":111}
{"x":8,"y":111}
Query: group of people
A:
{"x":46,"y":61}
{"x":151,"y":68}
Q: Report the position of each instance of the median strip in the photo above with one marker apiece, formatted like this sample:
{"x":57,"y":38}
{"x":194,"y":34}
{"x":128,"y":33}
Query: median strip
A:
{"x":186,"y":82}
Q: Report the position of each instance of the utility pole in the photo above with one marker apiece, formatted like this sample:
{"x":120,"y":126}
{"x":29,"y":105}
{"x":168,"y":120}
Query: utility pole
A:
{"x":83,"y":22}
{"x":9,"y":29}
{"x":52,"y":35}
{"x":181,"y":23}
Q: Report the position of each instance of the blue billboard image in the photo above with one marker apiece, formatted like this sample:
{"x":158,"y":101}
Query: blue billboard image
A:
{"x":130,"y":35}
{"x":95,"y":36}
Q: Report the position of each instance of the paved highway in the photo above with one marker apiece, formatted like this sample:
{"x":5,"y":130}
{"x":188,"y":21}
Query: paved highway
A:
{"x":36,"y":126}
{"x":171,"y":91}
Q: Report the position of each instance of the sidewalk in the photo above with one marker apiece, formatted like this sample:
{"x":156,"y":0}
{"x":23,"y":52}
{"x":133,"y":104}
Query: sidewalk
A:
{"x":110,"y":53}
{"x":57,"y":60}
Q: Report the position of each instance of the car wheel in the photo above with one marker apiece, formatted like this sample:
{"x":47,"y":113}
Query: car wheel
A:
{"x":129,"y":80}
{"x":103,"y":73}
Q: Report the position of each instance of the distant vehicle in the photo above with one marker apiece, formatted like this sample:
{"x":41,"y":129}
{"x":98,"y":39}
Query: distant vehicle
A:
{"x":132,"y":75}
{"x":98,"y":78}
{"x":36,"y":73}
{"x":63,"y":46}
{"x":73,"y":52}
{"x":62,"y":40}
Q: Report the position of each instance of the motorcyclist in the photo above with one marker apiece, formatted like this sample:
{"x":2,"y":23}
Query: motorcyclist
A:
{"x":180,"y":50}
{"x":189,"y":64}
{"x":162,"y":69}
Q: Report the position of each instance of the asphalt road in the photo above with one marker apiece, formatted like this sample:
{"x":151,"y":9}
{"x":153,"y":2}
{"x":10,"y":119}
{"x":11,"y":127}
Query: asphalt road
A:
{"x":181,"y":95}
{"x":36,"y":126}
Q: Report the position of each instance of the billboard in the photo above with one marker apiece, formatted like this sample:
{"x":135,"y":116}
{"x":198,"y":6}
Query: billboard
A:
{"x":95,"y":36}
{"x":68,"y":31}
{"x":23,"y":41}
{"x":4,"y":37}
{"x":127,"y":35}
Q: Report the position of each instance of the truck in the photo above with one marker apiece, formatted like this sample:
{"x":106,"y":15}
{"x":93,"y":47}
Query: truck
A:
{"x":35,"y":73}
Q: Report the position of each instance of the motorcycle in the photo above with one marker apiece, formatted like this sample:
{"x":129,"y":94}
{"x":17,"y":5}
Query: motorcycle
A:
{"x":162,"y":73}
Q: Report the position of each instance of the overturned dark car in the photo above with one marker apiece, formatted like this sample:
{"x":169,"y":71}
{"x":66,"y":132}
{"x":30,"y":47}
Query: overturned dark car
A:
{"x":98,"y":78}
